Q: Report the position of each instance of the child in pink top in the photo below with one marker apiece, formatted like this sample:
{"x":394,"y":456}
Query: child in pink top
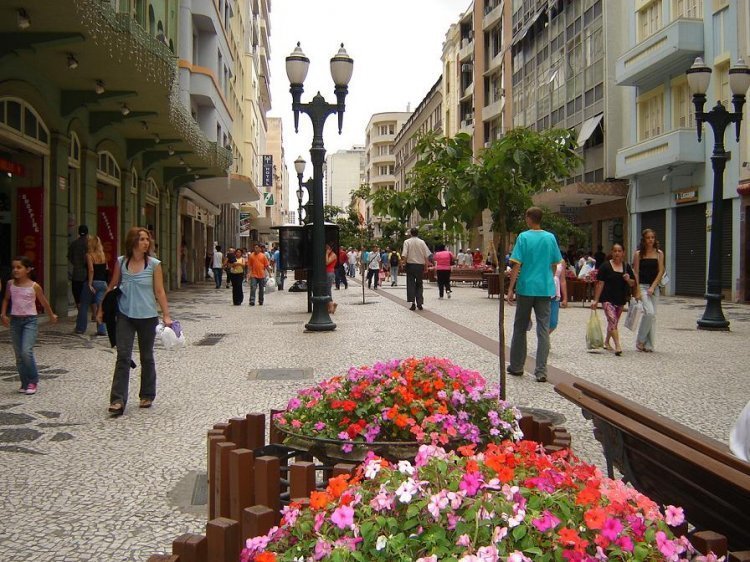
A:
{"x":24,"y":293}
{"x":443,"y":260}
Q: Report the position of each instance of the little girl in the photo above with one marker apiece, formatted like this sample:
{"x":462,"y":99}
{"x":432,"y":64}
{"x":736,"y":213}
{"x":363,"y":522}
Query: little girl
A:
{"x":23,"y":292}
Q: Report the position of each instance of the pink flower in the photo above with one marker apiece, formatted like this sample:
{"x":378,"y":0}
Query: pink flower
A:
{"x":322,"y":549}
{"x":546,"y":522}
{"x":674,"y":516}
{"x":432,"y":558}
{"x":667,"y":547}
{"x":470,"y":483}
{"x":296,"y":424}
{"x":516,"y":556}
{"x":611,"y":528}
{"x":625,"y":543}
{"x":319,"y":426}
{"x":343,"y":517}
{"x":487,"y":554}
{"x":463,"y":540}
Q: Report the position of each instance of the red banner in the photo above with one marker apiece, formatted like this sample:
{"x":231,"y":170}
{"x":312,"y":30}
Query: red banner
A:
{"x":31,"y":228}
{"x":107,"y":217}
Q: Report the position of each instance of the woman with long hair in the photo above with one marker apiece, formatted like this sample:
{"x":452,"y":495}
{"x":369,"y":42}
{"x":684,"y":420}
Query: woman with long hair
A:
{"x":648,"y":263}
{"x":236,"y":276}
{"x":141,"y":282}
{"x":615,"y":280}
{"x":95,"y":286}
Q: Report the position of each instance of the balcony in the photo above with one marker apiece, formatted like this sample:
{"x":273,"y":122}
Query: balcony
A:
{"x":467,"y":93}
{"x":466,"y":126}
{"x":467,"y":49}
{"x":670,"y":149}
{"x":670,"y":50}
{"x":383,"y":159}
{"x":492,"y":16}
{"x":494,"y":64}
{"x":493,"y":110}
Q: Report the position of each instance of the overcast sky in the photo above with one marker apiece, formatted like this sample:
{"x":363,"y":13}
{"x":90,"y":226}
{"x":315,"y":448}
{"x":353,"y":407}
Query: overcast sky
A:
{"x":396,"y":47}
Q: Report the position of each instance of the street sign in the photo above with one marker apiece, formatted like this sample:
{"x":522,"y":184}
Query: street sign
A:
{"x":267,"y":170}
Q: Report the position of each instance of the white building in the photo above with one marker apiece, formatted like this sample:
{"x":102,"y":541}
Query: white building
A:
{"x":345,"y":172}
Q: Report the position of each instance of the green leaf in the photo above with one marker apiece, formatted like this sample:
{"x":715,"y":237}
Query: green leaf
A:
{"x":519,"y":532}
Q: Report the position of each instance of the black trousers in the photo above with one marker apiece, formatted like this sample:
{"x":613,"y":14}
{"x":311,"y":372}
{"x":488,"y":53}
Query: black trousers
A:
{"x":414,"y":283}
{"x":443,"y":281}
{"x":237,"y":294}
{"x":373,"y":274}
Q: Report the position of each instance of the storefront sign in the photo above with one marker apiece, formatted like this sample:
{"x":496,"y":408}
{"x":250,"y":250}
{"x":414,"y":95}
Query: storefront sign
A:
{"x":268,"y":198}
{"x":245,"y":224}
{"x":107,"y":231}
{"x":30,"y":224}
{"x":685,"y":196}
{"x":267,"y":170}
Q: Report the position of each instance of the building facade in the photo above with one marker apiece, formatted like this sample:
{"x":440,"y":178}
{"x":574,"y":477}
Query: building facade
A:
{"x":670,"y":173}
{"x":94,"y":131}
{"x":344,"y":172}
{"x":380,"y":160}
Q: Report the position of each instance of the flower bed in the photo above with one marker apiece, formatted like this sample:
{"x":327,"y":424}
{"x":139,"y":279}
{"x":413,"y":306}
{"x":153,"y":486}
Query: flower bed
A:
{"x":418,"y":401}
{"x":512,"y":502}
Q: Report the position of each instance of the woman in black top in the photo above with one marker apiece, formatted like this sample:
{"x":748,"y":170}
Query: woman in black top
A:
{"x":95,"y":286}
{"x":615,"y":280}
{"x":648,"y":263}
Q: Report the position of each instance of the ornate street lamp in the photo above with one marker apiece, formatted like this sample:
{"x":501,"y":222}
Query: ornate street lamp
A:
{"x":299,"y":167}
{"x":719,"y":118}
{"x":318,"y":111}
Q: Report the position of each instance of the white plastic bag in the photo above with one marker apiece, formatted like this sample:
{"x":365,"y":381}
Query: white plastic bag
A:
{"x":635,"y":313}
{"x":739,"y":437}
{"x":169,"y":339}
{"x":270,"y":283}
{"x":210,"y":273}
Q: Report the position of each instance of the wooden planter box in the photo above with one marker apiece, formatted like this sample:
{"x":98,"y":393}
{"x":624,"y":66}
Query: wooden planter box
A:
{"x":247,"y":486}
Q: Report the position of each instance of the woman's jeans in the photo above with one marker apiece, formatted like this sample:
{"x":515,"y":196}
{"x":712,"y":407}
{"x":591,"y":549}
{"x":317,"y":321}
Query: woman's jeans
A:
{"x":217,"y":276}
{"x":87,"y":297}
{"x":443,"y":281}
{"x":23,"y":331}
{"x":127,"y":328}
{"x":237,"y":294}
{"x":647,"y":329}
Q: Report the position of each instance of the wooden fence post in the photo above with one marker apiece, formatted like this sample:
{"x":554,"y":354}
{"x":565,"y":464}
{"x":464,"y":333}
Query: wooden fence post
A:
{"x":213,"y":441}
{"x":274,"y":435}
{"x":268,"y":483}
{"x":191,"y":548}
{"x":164,"y":558}
{"x":343,"y":468}
{"x":221,"y":476}
{"x":223,"y":540}
{"x":241,"y":481}
{"x":709,"y":541}
{"x":301,"y":479}
{"x":256,"y":521}
{"x":238,"y":431}
{"x":256,"y":431}
{"x":526,"y":423}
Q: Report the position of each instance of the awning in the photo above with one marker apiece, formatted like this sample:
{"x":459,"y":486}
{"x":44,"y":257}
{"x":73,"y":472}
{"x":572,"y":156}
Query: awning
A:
{"x":232,"y":189}
{"x":588,"y":128}
{"x":198,"y":200}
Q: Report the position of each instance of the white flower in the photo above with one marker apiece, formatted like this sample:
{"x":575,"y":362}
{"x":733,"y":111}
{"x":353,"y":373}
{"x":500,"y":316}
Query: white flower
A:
{"x":406,"y":491}
{"x":381,"y":542}
{"x":405,"y":467}
{"x":372,"y":469}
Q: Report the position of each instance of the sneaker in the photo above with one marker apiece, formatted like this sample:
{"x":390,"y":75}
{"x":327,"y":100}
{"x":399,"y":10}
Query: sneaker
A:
{"x":412,"y":307}
{"x":419,"y":307}
{"x":22,"y":390}
{"x":449,"y":294}
{"x":251,"y":304}
{"x":513,"y":372}
{"x":541,"y":378}
{"x":31,"y":389}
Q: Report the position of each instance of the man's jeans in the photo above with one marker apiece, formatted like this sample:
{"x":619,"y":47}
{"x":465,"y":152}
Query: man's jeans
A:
{"x":414,"y":283}
{"x":280,"y":276}
{"x":541,"y":307}
{"x":87,"y":297}
{"x":127,"y":328}
{"x":23,"y":331}
{"x":217,"y":276}
{"x":260,"y":285}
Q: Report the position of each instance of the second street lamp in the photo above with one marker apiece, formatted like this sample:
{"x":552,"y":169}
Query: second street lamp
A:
{"x":299,"y":167}
{"x":719,"y":119}
{"x":318,"y":111}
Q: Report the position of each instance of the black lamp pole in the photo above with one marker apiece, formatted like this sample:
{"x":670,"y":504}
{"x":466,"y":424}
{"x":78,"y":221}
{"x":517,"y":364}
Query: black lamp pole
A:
{"x":719,"y":119}
{"x":318,"y":111}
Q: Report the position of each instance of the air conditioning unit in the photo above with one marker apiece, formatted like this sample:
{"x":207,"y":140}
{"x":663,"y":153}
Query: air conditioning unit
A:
{"x":466,"y":67}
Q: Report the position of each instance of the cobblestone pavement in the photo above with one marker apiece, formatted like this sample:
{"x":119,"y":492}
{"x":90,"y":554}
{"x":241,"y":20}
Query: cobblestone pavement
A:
{"x":79,"y":486}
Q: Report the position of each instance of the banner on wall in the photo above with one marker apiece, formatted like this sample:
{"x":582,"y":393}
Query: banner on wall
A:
{"x":107,"y":231}
{"x":267,"y":170}
{"x":30,"y":225}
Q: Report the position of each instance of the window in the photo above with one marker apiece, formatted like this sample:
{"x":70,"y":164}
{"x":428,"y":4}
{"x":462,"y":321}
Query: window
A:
{"x":107,"y":168}
{"x":722,"y":27}
{"x":682,"y":104}
{"x":650,"y":110}
{"x":74,"y":151}
{"x":649,"y":19}
{"x":687,"y":9}
{"x":23,"y":120}
{"x":721,"y":84}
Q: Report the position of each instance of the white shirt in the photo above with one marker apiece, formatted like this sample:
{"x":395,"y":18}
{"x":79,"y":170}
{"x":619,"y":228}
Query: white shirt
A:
{"x":218,"y":259}
{"x":351,"y":257}
{"x":415,"y":251}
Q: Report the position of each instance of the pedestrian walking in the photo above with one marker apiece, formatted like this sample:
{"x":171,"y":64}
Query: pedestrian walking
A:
{"x":141,"y":283}
{"x":217,"y":265}
{"x":443,"y":260}
{"x":395,"y":260}
{"x":648,"y":265}
{"x":340,"y":271}
{"x":373,"y":267}
{"x":416,"y":254}
{"x":279,"y":268}
{"x":615,"y":281}
{"x":561,"y":296}
{"x":96,"y":286}
{"x":236,"y":276}
{"x":229,"y":259}
{"x":77,"y":258}
{"x":534,"y":257}
{"x":257,"y":267}
{"x":23,"y":293}
{"x":351,"y":257}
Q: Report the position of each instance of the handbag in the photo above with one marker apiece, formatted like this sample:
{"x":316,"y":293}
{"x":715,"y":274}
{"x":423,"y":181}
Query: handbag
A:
{"x":664,"y":281}
{"x":594,"y":333}
{"x":635,"y":313}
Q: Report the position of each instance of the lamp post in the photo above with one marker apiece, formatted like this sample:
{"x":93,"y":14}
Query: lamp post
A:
{"x":318,"y":111}
{"x":719,"y":118}
{"x":299,"y":167}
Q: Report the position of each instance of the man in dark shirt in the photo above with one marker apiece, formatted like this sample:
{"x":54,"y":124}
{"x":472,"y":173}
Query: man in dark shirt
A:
{"x":77,"y":258}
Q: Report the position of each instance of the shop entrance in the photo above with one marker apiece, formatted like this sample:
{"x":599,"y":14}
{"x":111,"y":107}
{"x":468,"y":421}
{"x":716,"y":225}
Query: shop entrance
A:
{"x":108,"y":178}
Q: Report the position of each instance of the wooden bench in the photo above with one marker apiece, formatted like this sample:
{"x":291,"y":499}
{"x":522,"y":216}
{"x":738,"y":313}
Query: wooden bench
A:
{"x":672,"y":464}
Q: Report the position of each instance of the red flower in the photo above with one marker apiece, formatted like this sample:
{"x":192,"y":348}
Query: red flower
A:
{"x":595,"y":518}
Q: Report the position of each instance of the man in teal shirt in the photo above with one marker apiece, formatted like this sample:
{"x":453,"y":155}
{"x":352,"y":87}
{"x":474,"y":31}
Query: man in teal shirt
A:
{"x":534,"y":258}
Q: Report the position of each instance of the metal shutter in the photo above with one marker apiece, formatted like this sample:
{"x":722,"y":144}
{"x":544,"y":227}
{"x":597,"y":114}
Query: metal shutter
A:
{"x":690,"y":250}
{"x":726,"y":244}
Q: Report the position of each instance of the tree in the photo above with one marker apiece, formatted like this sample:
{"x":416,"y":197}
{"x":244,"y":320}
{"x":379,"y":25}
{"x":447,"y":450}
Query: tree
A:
{"x":331,"y":212}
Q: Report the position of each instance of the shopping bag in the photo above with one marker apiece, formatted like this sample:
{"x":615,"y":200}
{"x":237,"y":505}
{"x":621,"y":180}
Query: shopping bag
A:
{"x":594,"y":334}
{"x":210,"y":273}
{"x":635,"y":313}
{"x":270,"y":285}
